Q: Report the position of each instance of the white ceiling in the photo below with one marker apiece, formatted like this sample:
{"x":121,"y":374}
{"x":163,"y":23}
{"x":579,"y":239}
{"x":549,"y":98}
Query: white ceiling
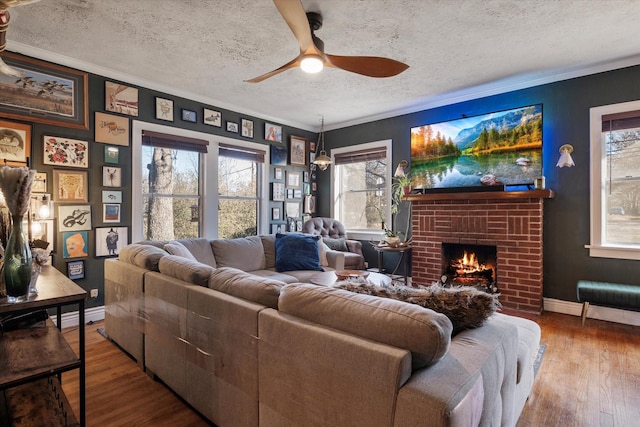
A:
{"x":456,"y":49}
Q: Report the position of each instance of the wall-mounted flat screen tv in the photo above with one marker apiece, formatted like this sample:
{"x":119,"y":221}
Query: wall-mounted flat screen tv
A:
{"x":497,"y":149}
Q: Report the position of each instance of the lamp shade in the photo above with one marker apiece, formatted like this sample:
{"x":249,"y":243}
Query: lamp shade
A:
{"x":565,"y":156}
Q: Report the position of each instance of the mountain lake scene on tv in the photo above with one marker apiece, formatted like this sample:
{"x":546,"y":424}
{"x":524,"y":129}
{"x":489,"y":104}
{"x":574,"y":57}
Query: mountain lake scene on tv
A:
{"x":492,"y":149}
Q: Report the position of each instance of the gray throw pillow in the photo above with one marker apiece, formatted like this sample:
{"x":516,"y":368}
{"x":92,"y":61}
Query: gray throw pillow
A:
{"x":336,"y":244}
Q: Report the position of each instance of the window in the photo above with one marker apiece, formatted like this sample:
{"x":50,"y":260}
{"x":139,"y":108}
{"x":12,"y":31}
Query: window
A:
{"x":361,"y":186}
{"x":615,"y":181}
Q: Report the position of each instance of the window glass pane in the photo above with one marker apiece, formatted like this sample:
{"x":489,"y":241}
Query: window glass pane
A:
{"x":238,"y":197}
{"x":237,"y":178}
{"x":237,"y":218}
{"x":362,"y":193}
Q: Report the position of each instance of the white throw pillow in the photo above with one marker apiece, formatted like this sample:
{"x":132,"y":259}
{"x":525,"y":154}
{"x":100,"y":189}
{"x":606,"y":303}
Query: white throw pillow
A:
{"x":322,"y":250}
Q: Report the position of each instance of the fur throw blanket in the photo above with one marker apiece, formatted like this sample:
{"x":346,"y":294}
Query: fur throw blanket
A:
{"x":466,"y":307}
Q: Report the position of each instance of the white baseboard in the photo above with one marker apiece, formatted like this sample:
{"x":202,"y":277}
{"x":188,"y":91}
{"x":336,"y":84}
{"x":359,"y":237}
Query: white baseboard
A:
{"x":70,"y":319}
{"x":626,"y":317}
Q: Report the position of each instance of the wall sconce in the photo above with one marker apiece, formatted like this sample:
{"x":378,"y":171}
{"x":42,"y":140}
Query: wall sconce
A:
{"x":41,"y":206}
{"x":565,"y":156}
{"x":322,"y":161}
{"x":399,"y":173}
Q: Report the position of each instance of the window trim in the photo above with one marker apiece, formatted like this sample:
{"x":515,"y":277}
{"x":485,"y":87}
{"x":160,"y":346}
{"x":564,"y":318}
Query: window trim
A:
{"x":386,"y":144}
{"x":597,"y":247}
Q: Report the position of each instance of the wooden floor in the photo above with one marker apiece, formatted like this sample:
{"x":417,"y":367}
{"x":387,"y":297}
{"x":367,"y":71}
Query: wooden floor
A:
{"x":590,"y":376}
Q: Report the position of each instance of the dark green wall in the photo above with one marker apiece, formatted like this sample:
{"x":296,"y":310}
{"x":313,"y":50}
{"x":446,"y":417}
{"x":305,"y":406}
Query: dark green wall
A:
{"x":565,"y":121}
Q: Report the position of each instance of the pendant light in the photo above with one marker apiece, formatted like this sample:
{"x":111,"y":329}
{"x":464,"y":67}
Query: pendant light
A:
{"x":322,"y":161}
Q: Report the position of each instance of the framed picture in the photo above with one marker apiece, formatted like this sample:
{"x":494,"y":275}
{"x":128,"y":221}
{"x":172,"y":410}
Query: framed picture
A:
{"x":277,"y":191}
{"x":272,"y":132}
{"x":212,"y":118}
{"x":297,"y":194}
{"x":299,"y":225}
{"x":293,"y":179}
{"x":313,"y":186}
{"x":275,"y":214}
{"x":305,"y":176}
{"x":189,"y":115}
{"x":74,"y":244}
{"x":293,"y":209}
{"x":111,"y":176}
{"x":111,"y":155}
{"x":309,"y":204}
{"x":75,"y":269}
{"x":74,"y":217}
{"x":111,"y":196}
{"x":312,"y":146}
{"x":298,"y":151}
{"x":49,"y":94}
{"x":247,"y":128}
{"x":164,"y":109}
{"x":58,"y":151}
{"x":39,"y":184}
{"x":110,"y":212}
{"x":15,"y":142}
{"x":43,"y":230}
{"x":289,"y":193}
{"x":277,"y":173}
{"x":112,"y":129}
{"x":278,"y":155}
{"x":276,"y":228}
{"x":232,"y":127}
{"x":121,"y":98}
{"x":70,"y":186}
{"x":110,"y":240}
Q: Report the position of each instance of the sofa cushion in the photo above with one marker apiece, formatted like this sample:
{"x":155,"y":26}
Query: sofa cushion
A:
{"x":178,"y":249}
{"x":247,"y":286}
{"x":297,"y":252}
{"x":200,"y":248}
{"x":423,"y":332}
{"x":185,"y":269}
{"x":142,"y":255}
{"x":339,"y":244}
{"x":246,"y":253}
{"x":322,"y":249}
{"x":269,"y":245}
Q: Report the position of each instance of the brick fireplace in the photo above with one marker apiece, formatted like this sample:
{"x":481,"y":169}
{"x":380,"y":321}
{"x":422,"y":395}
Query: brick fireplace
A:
{"x":511,"y":221}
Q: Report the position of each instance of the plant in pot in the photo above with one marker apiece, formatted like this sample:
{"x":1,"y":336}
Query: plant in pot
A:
{"x":400,"y":187}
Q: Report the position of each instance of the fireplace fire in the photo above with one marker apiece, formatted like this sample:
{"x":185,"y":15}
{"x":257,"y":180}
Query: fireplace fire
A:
{"x":469,"y":265}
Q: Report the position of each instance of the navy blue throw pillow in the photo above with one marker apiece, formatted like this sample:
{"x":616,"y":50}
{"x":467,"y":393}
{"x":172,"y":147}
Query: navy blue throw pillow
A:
{"x":297,"y":252}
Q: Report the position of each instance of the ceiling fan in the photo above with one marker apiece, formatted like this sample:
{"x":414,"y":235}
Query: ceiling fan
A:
{"x":312,"y":58}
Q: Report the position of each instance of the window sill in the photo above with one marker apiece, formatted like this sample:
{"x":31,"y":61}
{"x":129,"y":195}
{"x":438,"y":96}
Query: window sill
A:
{"x":375,"y":235}
{"x":615,"y":252}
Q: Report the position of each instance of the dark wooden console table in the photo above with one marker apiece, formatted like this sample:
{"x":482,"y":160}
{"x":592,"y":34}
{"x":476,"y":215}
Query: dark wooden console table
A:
{"x":33,"y":359}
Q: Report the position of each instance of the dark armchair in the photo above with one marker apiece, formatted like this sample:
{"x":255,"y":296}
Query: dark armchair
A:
{"x":332,"y":229}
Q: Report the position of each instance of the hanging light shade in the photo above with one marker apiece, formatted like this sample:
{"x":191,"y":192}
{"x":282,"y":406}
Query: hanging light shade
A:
{"x":322,"y":161}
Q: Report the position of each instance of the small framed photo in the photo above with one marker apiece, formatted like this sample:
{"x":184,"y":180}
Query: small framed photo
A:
{"x":164,"y":109}
{"x":293,"y":179}
{"x":293,"y":209}
{"x":16,"y":142}
{"x":39,"y":184}
{"x":313,"y":186}
{"x":111,"y":196}
{"x":275,"y":214}
{"x":112,"y":129}
{"x":299,"y":225}
{"x":121,"y":99}
{"x":74,"y":244}
{"x":110,"y":240}
{"x":74,"y":217}
{"x":72,"y":153}
{"x":212,"y":118}
{"x":278,"y":155}
{"x":276,"y":228}
{"x":298,"y":151}
{"x":297,"y":194}
{"x":305,"y":176}
{"x":70,"y":186}
{"x":110,"y":212}
{"x":312,"y":146}
{"x":111,"y":176}
{"x":277,"y":191}
{"x":272,"y":132}
{"x":247,"y":128}
{"x":75,"y":269}
{"x":189,"y":116}
{"x":289,"y":193}
{"x":277,"y":173}
{"x":232,"y":127}
{"x":111,"y":155}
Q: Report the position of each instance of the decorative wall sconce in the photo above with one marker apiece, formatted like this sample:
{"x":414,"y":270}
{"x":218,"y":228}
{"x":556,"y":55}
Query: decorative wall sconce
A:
{"x":399,"y":173}
{"x":321,"y":161}
{"x":565,"y":156}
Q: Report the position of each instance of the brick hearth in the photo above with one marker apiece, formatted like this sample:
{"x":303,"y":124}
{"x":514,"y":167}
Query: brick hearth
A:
{"x":512,"y":221}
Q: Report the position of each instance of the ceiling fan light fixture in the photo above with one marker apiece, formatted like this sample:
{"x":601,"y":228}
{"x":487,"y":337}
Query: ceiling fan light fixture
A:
{"x":311,"y":64}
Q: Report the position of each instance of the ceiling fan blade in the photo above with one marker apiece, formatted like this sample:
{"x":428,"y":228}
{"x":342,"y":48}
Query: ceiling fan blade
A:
{"x":294,"y":15}
{"x":372,"y":66}
{"x":291,"y":64}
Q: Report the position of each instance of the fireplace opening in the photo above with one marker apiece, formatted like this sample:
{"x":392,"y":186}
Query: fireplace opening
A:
{"x":469,"y":265}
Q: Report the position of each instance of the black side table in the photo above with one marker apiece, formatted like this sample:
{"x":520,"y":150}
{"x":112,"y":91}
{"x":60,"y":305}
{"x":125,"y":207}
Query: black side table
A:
{"x":404,"y":252}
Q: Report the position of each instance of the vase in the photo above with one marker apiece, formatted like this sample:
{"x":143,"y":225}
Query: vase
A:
{"x":17,"y":263}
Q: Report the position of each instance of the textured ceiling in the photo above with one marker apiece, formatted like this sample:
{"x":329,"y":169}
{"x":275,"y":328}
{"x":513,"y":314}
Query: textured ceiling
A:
{"x":456,"y":49}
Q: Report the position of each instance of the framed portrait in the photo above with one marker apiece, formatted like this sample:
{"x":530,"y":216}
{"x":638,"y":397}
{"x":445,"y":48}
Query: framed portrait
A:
{"x":111,"y":196}
{"x":111,"y":212}
{"x":272,"y":132}
{"x":111,"y":176}
{"x":110,"y":240}
{"x":212,"y":118}
{"x":74,"y":217}
{"x":121,"y":98}
{"x":75,"y":269}
{"x":293,"y":179}
{"x":70,"y":186}
{"x":112,"y":129}
{"x":247,"y":128}
{"x":39,"y":184}
{"x":275,"y":214}
{"x":298,"y":151}
{"x":111,"y":155}
{"x":189,"y":115}
{"x":309,"y":204}
{"x":72,"y":153}
{"x":15,"y":142}
{"x":277,"y":191}
{"x":292,"y":209}
{"x":232,"y":127}
{"x":277,"y":173}
{"x":278,"y":155}
{"x":312,"y":146}
{"x":75,"y":244}
{"x":49,"y":94}
{"x":164,"y":109}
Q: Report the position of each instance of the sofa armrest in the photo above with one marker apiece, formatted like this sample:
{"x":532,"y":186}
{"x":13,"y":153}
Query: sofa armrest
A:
{"x":354,"y":246}
{"x":335,"y":259}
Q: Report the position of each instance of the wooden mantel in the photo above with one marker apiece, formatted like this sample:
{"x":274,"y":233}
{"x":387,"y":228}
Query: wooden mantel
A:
{"x":482,"y":195}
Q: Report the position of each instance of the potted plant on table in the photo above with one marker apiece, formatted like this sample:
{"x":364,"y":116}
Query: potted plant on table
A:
{"x":400,"y":187}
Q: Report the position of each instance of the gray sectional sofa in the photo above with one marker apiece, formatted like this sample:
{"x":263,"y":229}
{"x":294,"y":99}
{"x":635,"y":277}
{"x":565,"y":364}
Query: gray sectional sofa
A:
{"x":247,"y":345}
